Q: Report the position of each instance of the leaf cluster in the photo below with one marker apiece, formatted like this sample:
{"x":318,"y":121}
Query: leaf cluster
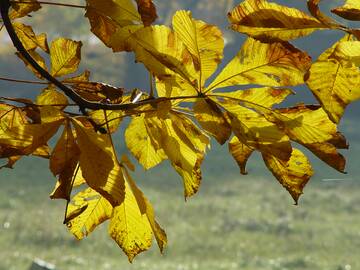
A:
{"x":185,"y":106}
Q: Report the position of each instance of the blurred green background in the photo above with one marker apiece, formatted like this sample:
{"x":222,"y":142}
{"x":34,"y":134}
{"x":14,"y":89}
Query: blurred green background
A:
{"x":235,"y":222}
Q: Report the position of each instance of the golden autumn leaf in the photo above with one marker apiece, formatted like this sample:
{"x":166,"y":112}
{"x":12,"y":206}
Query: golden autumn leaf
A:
{"x":264,"y":96}
{"x":99,"y":164}
{"x":348,"y":51}
{"x":139,"y":141}
{"x":20,"y":10}
{"x":50,"y":97}
{"x":339,"y":87}
{"x":240,"y":152}
{"x":268,"y":64}
{"x":63,"y":162}
{"x":133,"y":223}
{"x":111,"y":121}
{"x":292,"y":174}
{"x":257,"y":132}
{"x":114,"y":22}
{"x":65,"y":56}
{"x":18,"y":133}
{"x":268,"y":20}
{"x":29,"y":39}
{"x":311,"y":127}
{"x":349,"y":11}
{"x":212,"y":119}
{"x":204,"y":42}
{"x":88,"y":209}
{"x":147,"y":11}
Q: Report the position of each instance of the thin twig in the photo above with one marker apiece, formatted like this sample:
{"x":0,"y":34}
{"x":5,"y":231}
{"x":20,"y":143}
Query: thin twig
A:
{"x":48,"y":3}
{"x":22,"y":81}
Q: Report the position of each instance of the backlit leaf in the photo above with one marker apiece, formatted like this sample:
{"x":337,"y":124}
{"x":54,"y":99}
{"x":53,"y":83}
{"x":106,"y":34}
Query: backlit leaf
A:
{"x":38,"y":58}
{"x":263,"y":19}
{"x":269,"y":64}
{"x":29,"y":39}
{"x":97,"y":210}
{"x":63,"y":162}
{"x":139,"y":142}
{"x":241,"y":153}
{"x":65,"y":56}
{"x":339,"y":87}
{"x":204,"y":42}
{"x":99,"y":164}
{"x":212,"y":119}
{"x":20,"y":10}
{"x":293,"y":174}
{"x":349,"y":11}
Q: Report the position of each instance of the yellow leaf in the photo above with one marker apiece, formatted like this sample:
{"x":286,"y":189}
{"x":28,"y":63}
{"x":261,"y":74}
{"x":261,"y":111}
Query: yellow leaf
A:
{"x":50,"y":97}
{"x":348,"y":51}
{"x":114,"y":22}
{"x":212,"y":119}
{"x":311,"y":127}
{"x":99,"y":164}
{"x":140,"y":143}
{"x":263,"y":19}
{"x":240,"y":152}
{"x":184,"y":144}
{"x":293,"y":174}
{"x":204,"y":42}
{"x":269,"y":64}
{"x":112,"y":120}
{"x":29,"y":39}
{"x":17,"y":132}
{"x":349,"y":11}
{"x":22,"y":9}
{"x":339,"y":87}
{"x":65,"y":56}
{"x":133,"y":223}
{"x":265,"y":96}
{"x":63,"y":162}
{"x":97,"y":210}
{"x":256,"y":132}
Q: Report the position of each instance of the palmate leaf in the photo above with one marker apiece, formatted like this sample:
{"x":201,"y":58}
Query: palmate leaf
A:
{"x":349,"y":11}
{"x":267,"y":20}
{"x":340,"y":87}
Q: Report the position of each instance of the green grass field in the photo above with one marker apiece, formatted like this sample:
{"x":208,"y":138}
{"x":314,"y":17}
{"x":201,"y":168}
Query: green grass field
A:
{"x":235,"y":222}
